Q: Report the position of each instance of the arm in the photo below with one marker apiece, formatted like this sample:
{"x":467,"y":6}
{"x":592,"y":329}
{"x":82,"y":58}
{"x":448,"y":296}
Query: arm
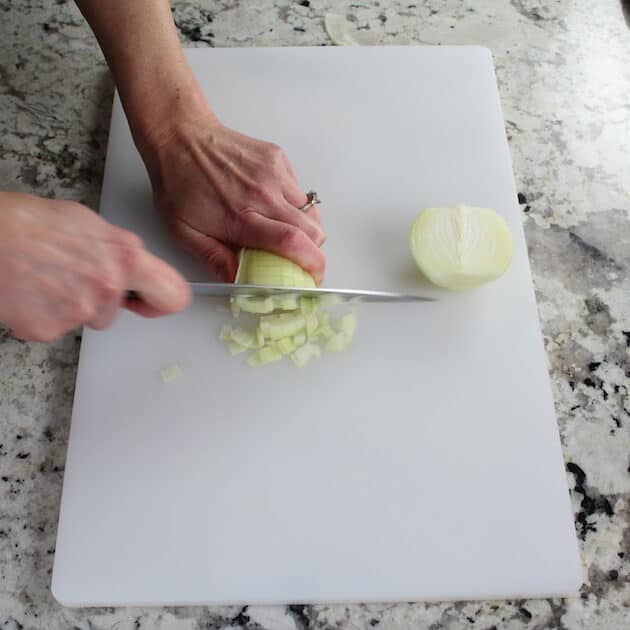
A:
{"x":218,"y":189}
{"x":153,"y":78}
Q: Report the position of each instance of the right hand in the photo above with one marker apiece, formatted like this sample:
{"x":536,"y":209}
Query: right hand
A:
{"x":63,"y":266}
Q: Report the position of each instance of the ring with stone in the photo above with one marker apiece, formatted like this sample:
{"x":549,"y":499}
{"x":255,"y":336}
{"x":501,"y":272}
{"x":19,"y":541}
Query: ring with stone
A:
{"x":312,"y":200}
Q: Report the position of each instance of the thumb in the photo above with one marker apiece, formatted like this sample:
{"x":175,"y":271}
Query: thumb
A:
{"x":217,"y":257}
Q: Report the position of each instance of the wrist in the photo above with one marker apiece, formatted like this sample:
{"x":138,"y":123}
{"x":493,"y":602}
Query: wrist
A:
{"x":178,"y":104}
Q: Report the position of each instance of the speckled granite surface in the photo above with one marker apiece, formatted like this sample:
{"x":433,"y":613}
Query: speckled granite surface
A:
{"x":563,"y":69}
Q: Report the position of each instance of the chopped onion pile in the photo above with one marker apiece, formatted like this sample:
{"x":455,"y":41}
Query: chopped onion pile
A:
{"x":461,"y":247}
{"x":171,"y":373}
{"x":289,"y":325}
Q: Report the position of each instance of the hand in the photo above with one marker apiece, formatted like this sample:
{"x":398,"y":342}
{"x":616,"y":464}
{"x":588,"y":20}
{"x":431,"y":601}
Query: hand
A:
{"x":220,"y":190}
{"x":62,"y":266}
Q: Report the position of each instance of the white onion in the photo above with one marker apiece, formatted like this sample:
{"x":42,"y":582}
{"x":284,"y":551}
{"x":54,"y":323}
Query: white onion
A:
{"x":461,"y":247}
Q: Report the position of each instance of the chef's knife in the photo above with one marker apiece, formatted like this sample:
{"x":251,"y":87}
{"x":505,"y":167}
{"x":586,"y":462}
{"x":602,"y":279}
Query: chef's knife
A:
{"x":218,"y":289}
{"x":226,"y":289}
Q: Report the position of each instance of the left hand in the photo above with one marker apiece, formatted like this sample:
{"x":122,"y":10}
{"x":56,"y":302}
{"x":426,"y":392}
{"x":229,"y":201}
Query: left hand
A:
{"x":221,"y":190}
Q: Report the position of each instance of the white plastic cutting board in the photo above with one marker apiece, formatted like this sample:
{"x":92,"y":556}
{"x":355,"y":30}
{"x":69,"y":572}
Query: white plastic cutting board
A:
{"x":423,"y":464}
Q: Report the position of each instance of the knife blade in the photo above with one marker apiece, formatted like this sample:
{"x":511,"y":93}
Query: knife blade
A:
{"x":219,"y":289}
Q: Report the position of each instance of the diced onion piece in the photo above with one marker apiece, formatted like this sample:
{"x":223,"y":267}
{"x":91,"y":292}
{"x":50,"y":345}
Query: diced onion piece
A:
{"x":265,"y":355}
{"x":226,"y":333}
{"x":339,"y":342}
{"x":461,"y":247}
{"x":299,"y":339}
{"x":347,"y":324}
{"x":330,"y":299}
{"x":287,"y":302}
{"x":308,"y":304}
{"x":171,"y":373}
{"x":244,"y":338}
{"x":305,"y":353}
{"x":254,"y":304}
{"x":286,"y":345}
{"x":253,"y":360}
{"x":236,"y":348}
{"x":281,"y":325}
{"x":312,"y":324}
{"x":326,"y":330}
{"x":338,"y":29}
{"x":260,"y":338}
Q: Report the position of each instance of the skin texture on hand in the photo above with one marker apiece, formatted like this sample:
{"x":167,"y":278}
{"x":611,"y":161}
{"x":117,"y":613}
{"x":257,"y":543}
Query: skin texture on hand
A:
{"x":62,"y":266}
{"x":220,"y":190}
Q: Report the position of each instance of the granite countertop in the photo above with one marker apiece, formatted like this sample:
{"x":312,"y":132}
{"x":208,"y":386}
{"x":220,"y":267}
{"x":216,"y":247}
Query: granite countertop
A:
{"x":563,"y":70}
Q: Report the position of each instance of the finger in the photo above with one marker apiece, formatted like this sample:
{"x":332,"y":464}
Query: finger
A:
{"x":107,"y":314}
{"x":314,"y":214}
{"x":218,"y":258}
{"x":301,"y":220}
{"x":158,"y":284}
{"x":142,"y":308}
{"x":285,"y":240}
{"x":297,"y":198}
{"x":293,"y":193}
{"x":41,"y":332}
{"x":289,"y":168}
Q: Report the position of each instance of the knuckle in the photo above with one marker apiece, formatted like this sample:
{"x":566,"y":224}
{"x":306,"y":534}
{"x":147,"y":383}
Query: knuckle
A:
{"x":178,"y":232}
{"x":314,"y":231}
{"x":262,"y":198}
{"x":128,"y":240}
{"x":238,"y":227}
{"x":81,"y":311}
{"x":98,"y":324}
{"x":128,"y":257}
{"x":275,"y":159}
{"x":44,"y":333}
{"x":291,"y":239}
{"x":273,"y":152}
{"x":259,"y":190}
{"x":320,"y":238}
{"x":267,"y":198}
{"x":214,"y":259}
{"x":107,"y":286}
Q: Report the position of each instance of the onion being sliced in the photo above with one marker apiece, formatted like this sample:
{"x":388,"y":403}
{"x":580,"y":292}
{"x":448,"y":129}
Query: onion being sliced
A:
{"x":260,"y":267}
{"x":286,"y":325}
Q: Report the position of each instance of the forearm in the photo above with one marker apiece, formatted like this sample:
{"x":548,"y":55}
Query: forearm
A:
{"x":140,"y":43}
